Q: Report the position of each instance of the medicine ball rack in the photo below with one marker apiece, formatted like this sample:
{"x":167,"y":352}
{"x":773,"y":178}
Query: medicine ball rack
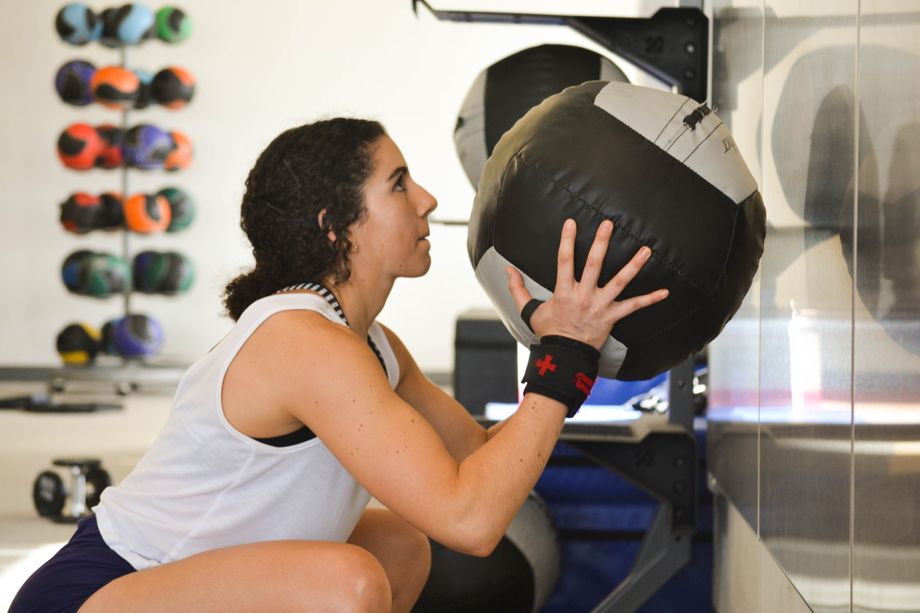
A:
{"x":672,"y":45}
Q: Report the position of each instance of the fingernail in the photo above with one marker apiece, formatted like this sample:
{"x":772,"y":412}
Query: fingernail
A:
{"x":569,"y":224}
{"x":646,"y":252}
{"x":665,"y":293}
{"x":607,"y":225}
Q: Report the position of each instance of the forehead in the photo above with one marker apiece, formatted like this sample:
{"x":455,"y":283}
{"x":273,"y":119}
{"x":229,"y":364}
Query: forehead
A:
{"x":386,"y":156}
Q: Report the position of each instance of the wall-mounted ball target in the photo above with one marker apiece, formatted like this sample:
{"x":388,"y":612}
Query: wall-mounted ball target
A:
{"x":507,"y":89}
{"x":147,"y":213}
{"x":172,"y":25}
{"x":112,"y":154}
{"x":180,"y":156}
{"x":173,"y":87}
{"x":77,"y":24}
{"x":78,"y":344}
{"x":113,"y":214}
{"x":73,"y":82}
{"x":147,"y":146}
{"x":181,"y":206}
{"x":115,"y":87}
{"x":78,"y":146}
{"x":133,"y":23}
{"x":82,"y":213}
{"x":144,"y":95}
{"x":138,"y":336}
{"x":667,"y":173}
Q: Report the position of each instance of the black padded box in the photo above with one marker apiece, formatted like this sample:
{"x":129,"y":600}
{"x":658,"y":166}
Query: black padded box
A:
{"x":485,"y":361}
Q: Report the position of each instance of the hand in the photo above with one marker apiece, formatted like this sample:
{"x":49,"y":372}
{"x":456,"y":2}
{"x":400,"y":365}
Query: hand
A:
{"x":580,"y":309}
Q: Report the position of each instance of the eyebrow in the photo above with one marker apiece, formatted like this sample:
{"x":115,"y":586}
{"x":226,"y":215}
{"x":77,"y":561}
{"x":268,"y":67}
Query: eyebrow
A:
{"x":400,"y":170}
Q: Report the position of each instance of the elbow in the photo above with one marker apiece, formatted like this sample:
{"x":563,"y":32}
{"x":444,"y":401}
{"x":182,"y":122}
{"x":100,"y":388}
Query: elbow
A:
{"x":476,"y":536}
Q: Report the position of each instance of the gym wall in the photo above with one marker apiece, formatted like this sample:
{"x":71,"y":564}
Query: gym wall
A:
{"x":261,"y":68}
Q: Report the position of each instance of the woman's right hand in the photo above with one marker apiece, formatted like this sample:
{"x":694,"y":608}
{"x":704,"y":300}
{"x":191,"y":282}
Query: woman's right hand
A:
{"x":580,"y":309}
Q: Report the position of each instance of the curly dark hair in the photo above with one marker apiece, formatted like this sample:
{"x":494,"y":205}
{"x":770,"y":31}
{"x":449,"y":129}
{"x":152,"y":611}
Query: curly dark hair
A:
{"x":323,"y":165}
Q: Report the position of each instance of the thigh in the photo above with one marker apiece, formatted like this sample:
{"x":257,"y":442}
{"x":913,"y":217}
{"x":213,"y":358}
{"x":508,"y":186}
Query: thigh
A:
{"x":269,"y":576}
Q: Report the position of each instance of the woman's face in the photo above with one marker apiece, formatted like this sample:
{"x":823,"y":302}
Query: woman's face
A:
{"x":390,"y":240}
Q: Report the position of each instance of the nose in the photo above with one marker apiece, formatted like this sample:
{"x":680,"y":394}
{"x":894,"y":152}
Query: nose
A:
{"x":426,"y":202}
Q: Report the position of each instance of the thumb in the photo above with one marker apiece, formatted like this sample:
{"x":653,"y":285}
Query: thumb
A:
{"x":516,"y":286}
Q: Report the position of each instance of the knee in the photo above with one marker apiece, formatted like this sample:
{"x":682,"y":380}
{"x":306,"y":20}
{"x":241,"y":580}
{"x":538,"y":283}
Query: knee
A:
{"x":364,"y":586}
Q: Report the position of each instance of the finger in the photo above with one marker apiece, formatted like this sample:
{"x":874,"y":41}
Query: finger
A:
{"x":596,"y":255}
{"x":627,"y":307}
{"x":516,"y":285}
{"x":626,"y":274}
{"x":566,"y":257}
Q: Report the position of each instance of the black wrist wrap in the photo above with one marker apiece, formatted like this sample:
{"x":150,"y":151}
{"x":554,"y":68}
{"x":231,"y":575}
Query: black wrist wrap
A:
{"x":562,"y":369}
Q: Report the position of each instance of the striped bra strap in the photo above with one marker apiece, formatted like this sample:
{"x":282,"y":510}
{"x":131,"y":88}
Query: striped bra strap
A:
{"x":330,"y":298}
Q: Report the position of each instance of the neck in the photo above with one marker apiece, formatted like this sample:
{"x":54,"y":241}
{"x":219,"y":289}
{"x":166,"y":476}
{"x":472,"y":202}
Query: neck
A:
{"x":361,"y":300}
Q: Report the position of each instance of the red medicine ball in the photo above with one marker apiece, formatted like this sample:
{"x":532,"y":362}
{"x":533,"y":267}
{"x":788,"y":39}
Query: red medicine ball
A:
{"x":79,"y":145}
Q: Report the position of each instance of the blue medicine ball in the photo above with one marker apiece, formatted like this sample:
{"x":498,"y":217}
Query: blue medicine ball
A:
{"x":138,"y":336}
{"x":77,"y":24}
{"x":146,"y":146}
{"x":133,"y":23}
{"x":72,"y":82}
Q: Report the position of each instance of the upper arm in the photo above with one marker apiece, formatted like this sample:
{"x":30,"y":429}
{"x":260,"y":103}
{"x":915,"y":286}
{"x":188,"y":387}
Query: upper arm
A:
{"x":340,"y":392}
{"x":460,"y":432}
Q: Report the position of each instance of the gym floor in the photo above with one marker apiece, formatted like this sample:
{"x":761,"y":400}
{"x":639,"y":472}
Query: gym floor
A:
{"x":28,"y":444}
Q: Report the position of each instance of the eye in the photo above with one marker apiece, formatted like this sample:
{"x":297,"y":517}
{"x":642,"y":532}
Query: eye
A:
{"x":400,"y":185}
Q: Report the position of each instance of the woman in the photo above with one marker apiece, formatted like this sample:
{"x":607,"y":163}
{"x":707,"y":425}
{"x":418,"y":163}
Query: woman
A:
{"x":253,"y":496}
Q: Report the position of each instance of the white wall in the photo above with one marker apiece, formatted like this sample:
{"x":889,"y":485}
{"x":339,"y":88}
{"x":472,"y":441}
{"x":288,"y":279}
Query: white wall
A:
{"x":261,"y":67}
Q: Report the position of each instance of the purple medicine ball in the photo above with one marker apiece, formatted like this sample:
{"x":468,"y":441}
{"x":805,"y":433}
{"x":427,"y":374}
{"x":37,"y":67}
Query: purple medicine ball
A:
{"x":72,"y":82}
{"x":146,"y":146}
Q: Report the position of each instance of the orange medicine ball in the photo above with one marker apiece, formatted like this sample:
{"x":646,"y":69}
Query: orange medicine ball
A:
{"x":147,"y":213}
{"x":115,"y":87}
{"x":181,"y":154}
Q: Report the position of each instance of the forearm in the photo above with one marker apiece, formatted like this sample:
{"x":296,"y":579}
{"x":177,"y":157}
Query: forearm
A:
{"x":494,"y":481}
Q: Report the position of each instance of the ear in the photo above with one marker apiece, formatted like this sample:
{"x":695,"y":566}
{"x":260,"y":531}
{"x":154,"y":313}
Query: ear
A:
{"x":319,"y":220}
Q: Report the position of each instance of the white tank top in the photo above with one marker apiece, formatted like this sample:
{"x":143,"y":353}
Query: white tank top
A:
{"x":203,"y":485}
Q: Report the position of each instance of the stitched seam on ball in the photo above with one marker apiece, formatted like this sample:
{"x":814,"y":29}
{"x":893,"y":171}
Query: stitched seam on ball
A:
{"x":684,"y":161}
{"x":625,"y":229}
{"x":707,"y":296}
{"x":670,"y":119}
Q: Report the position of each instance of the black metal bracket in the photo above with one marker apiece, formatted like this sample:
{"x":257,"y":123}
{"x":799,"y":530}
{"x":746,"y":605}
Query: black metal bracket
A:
{"x":672,"y":45}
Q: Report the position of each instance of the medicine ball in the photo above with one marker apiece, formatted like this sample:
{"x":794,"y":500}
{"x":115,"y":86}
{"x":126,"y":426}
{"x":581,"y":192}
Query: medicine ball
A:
{"x":146,"y":146}
{"x":517,"y":577}
{"x":172,"y":25}
{"x":73,"y":270}
{"x":144,"y":95}
{"x":146,"y":213}
{"x":132,"y":23}
{"x":107,"y":342}
{"x":115,"y":87}
{"x":72,"y":82}
{"x":78,"y":344}
{"x":181,"y":207}
{"x":149,"y":270}
{"x":112,"y":154}
{"x":667,"y":173}
{"x":78,"y":146}
{"x":503,"y":92}
{"x":77,"y":24}
{"x":113,"y":214}
{"x":138,"y":336}
{"x":107,"y":36}
{"x":180,"y":274}
{"x":180,"y":156}
{"x":105,"y":276}
{"x":81,"y":213}
{"x":173,"y":87}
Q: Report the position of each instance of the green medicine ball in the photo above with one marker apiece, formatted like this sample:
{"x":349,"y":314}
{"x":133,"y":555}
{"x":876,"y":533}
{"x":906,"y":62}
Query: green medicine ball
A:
{"x":172,"y":25}
{"x":180,"y":274}
{"x":181,"y":206}
{"x":78,"y":344}
{"x":106,"y":275}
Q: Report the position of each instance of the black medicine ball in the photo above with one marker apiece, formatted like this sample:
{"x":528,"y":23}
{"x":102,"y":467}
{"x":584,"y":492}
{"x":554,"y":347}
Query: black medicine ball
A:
{"x":669,"y":176}
{"x":78,"y":344}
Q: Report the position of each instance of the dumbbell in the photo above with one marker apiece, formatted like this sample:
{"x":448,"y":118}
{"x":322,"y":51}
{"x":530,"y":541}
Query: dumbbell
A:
{"x":87,"y":480}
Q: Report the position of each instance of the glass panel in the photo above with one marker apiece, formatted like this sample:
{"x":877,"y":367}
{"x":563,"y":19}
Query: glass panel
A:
{"x":886,"y":530}
{"x":734,"y":357}
{"x":806,"y":295}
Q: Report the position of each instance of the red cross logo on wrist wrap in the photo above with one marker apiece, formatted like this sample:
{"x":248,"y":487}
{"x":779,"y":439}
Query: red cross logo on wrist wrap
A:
{"x":545,"y":363}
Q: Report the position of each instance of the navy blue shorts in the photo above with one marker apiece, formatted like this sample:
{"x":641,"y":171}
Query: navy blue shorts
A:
{"x":72,"y":575}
